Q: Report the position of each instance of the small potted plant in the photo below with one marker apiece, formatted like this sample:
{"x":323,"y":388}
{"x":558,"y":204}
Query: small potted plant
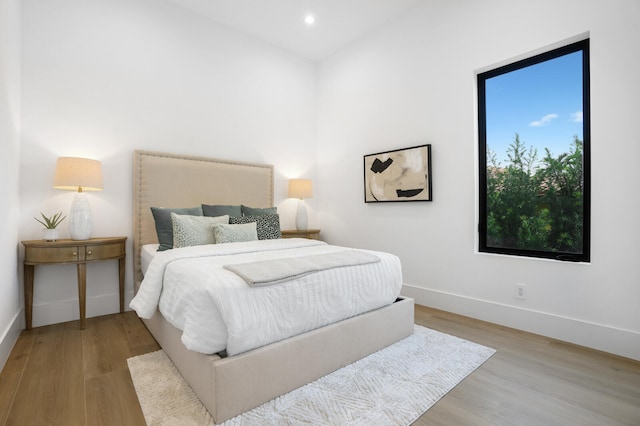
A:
{"x":50,"y":231}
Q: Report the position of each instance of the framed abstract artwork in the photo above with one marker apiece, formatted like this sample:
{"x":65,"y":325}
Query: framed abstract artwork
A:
{"x":399,"y":175}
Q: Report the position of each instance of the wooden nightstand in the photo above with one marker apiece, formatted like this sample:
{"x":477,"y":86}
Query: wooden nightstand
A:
{"x":311,"y":234}
{"x":39,"y":252}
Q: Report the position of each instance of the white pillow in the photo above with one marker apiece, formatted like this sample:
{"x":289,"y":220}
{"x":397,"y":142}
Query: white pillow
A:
{"x":235,"y":233}
{"x":194,"y":230}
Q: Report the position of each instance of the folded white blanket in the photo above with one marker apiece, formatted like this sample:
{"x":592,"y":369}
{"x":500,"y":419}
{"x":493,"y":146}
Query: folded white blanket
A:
{"x":267,"y":272}
{"x":146,"y":300}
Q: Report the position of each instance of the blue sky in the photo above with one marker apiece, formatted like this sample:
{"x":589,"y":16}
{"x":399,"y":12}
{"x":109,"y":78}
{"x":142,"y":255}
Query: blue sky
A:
{"x":542,"y":103}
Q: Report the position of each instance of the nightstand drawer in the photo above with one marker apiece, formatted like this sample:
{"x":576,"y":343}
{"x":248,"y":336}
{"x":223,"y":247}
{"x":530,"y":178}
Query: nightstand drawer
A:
{"x":104,"y":251}
{"x":51,"y":255}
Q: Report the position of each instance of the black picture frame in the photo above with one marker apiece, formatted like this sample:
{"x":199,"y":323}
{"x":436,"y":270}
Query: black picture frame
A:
{"x":400,"y":175}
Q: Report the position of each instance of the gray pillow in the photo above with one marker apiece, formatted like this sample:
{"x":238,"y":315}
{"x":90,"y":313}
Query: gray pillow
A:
{"x":221,"y":210}
{"x":194,"y":230}
{"x":267,"y":225}
{"x":255,"y":211}
{"x":164,"y":226}
{"x":235,"y":233}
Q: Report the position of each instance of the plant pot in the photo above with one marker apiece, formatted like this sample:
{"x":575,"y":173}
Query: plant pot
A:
{"x":50,"y":234}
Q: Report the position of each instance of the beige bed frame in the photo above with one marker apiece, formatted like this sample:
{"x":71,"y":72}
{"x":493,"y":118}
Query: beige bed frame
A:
{"x":229,"y":386}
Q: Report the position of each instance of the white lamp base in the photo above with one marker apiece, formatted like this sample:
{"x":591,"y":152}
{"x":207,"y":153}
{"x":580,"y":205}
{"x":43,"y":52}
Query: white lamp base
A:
{"x":80,"y":218}
{"x":301,"y":216}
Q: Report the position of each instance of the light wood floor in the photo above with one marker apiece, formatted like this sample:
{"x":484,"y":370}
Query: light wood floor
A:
{"x":60,"y":375}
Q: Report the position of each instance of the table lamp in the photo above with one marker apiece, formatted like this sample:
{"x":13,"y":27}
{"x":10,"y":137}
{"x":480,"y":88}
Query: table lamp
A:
{"x":78,"y":174}
{"x":300,"y":188}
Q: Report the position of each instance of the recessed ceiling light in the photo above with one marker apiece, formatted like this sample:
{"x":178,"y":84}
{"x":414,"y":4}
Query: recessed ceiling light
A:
{"x":309,"y":19}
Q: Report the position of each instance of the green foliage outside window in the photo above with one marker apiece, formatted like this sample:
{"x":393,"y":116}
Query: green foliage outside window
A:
{"x":536,"y":204}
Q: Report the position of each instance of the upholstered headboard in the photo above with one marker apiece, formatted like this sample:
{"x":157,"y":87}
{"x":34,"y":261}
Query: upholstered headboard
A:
{"x":170,"y":180}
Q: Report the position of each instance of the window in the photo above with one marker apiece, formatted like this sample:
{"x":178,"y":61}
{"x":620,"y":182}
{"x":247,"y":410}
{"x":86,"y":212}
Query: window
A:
{"x":534,"y":156}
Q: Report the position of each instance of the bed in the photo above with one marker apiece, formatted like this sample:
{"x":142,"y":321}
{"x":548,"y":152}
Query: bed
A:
{"x":231,"y":385}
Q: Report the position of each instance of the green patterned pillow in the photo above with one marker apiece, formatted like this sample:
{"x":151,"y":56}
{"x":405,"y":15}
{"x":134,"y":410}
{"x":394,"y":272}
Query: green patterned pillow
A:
{"x":267,"y":225}
{"x":194,"y":230}
{"x":235,"y":233}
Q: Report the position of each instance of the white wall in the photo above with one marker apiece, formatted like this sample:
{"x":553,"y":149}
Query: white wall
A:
{"x":103,"y":78}
{"x":10,"y":318}
{"x":413,"y":83}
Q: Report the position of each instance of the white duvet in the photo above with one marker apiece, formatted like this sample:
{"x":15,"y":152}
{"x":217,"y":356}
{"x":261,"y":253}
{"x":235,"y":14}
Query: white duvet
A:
{"x":217,"y":310}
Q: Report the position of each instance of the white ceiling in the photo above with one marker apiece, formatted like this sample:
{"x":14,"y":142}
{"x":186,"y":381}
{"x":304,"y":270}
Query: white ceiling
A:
{"x":281,"y":22}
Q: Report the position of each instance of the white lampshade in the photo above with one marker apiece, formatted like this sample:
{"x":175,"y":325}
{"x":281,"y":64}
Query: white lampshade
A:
{"x":79,"y":174}
{"x":301,"y":188}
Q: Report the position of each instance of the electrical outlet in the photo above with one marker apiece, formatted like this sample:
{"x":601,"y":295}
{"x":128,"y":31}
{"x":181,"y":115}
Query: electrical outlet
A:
{"x":521,"y":291}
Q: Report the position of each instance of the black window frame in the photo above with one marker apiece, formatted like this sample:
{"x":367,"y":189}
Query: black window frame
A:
{"x":585,"y":256}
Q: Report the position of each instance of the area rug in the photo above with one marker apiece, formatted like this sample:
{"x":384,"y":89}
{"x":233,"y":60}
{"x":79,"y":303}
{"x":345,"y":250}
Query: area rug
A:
{"x":393,"y":386}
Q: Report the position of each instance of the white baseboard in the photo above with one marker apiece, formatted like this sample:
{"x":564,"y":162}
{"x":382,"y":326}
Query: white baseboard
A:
{"x":10,"y":337}
{"x":601,"y":337}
